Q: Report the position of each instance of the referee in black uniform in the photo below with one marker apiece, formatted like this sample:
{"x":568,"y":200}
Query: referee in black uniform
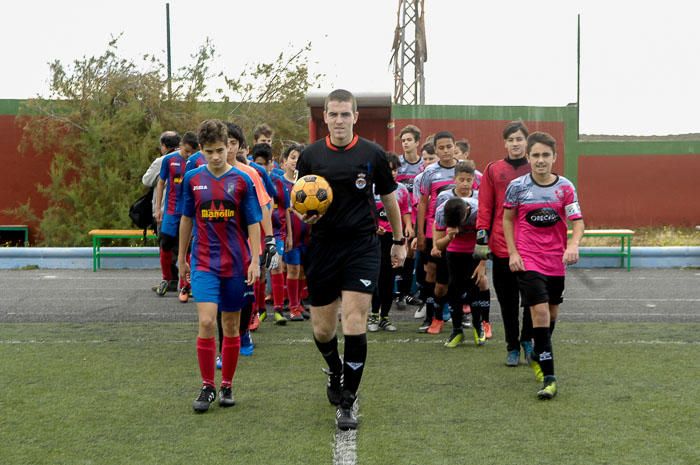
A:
{"x":343,"y":258}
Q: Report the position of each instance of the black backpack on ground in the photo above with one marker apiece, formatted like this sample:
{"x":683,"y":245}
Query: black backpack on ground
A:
{"x":141,"y":212}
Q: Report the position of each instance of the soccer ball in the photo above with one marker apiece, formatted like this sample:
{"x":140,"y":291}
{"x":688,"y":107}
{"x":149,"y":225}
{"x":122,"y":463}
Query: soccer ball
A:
{"x":311,"y":195}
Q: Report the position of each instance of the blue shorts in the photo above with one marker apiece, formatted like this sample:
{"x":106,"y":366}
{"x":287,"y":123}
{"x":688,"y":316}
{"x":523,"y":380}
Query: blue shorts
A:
{"x":279,"y":244}
{"x":170,"y":225}
{"x":229,"y":294}
{"x":294,"y":256}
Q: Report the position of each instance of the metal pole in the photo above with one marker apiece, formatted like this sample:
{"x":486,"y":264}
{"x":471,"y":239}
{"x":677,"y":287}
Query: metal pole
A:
{"x":167,"y":26}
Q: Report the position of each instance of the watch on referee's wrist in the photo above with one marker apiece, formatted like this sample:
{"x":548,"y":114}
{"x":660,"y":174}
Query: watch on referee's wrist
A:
{"x":401,"y":241}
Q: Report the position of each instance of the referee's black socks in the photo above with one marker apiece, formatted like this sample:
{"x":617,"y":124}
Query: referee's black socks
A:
{"x":329,"y":351}
{"x":354,"y":363}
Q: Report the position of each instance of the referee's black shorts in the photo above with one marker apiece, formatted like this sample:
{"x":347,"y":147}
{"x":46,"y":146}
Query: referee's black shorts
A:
{"x":334,"y":265}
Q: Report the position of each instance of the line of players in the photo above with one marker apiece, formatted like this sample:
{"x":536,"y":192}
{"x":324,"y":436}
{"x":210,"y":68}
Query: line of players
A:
{"x":285,"y":236}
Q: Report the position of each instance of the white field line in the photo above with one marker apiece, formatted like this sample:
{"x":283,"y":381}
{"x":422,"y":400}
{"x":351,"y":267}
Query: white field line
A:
{"x":345,"y":447}
{"x":304,"y":341}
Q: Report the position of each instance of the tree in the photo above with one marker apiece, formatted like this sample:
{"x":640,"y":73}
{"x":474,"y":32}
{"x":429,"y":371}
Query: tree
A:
{"x":104,"y":114}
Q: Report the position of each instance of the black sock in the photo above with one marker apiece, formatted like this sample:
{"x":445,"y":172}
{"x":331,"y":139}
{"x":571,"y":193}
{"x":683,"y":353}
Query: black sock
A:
{"x":404,"y":285}
{"x":245,"y":317}
{"x":353,"y":366}
{"x":485,"y":298}
{"x":477,"y":312}
{"x":457,"y":314}
{"x":220,"y":329}
{"x":543,"y":350}
{"x":427,"y":291}
{"x":429,"y":299}
{"x":552,"y":324}
{"x":329,"y":351}
{"x":439,"y":306}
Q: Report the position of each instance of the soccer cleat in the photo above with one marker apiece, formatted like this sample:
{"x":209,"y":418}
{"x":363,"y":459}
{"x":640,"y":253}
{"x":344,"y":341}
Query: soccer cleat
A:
{"x":487,"y":330}
{"x":420,"y":313}
{"x":455,"y":339}
{"x":373,"y":322}
{"x":345,"y":419}
{"x":184,"y":295}
{"x":549,"y":390}
{"x":527,"y":349}
{"x":203,"y":401}
{"x":305,"y":313}
{"x":400,"y":303}
{"x":435,"y":327}
{"x":479,"y":337}
{"x":410,"y":300}
{"x":535,"y":365}
{"x":254,"y":322}
{"x":513,"y":358}
{"x":295,"y":314}
{"x":247,"y":345}
{"x":386,"y":325}
{"x":423,"y":328}
{"x":262,"y":314}
{"x":218,"y":362}
{"x":334,"y":387}
{"x":280,"y":320}
{"x":226,"y":397}
{"x":162,"y":288}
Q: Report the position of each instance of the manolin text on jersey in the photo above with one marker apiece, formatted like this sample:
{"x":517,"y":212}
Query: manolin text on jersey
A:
{"x":217,"y":210}
{"x":542,"y":217}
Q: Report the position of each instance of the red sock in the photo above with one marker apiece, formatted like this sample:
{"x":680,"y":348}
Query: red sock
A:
{"x":304,"y":291}
{"x":166,"y":264}
{"x":293,"y":292}
{"x":206,"y":354}
{"x":277,"y":281}
{"x":229,"y":359}
{"x":260,"y":295}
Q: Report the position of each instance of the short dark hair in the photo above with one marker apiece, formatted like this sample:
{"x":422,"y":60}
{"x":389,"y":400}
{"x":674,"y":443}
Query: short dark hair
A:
{"x":410,"y":129}
{"x":340,"y":95}
{"x":262,"y":151}
{"x":262,"y":130}
{"x":456,"y":211}
{"x":393,"y":159}
{"x":170,"y":139}
{"x":235,"y":132}
{"x":190,"y":138}
{"x":443,"y":135}
{"x":465,"y":166}
{"x":463,"y":145}
{"x":428,"y":147}
{"x":513,"y":127}
{"x":298,"y":147}
{"x":212,"y":131}
{"x":541,"y":138}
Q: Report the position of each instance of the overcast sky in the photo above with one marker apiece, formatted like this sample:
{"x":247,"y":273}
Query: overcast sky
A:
{"x":640,"y":59}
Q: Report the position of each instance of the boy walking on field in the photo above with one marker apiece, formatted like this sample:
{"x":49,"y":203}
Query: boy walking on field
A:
{"x":537,"y":206}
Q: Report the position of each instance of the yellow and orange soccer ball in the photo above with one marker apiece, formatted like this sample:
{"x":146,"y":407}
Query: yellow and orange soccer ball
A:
{"x":311,"y":195}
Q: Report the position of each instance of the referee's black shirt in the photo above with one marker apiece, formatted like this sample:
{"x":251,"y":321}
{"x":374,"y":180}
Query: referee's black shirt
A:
{"x":351,"y":171}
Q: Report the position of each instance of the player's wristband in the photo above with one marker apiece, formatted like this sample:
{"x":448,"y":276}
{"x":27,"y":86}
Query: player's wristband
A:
{"x":401,"y":241}
{"x":482,"y":237}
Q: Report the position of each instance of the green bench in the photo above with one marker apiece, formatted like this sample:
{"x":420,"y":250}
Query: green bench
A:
{"x":98,"y":235}
{"x":21,"y":228}
{"x":625,"y":252}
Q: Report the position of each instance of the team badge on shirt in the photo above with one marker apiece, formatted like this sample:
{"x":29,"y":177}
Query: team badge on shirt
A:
{"x":230,"y":188}
{"x":361,"y":182}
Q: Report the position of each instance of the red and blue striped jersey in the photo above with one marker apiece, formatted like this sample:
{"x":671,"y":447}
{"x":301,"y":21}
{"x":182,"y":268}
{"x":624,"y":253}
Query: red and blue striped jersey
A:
{"x":172,"y":171}
{"x":195,"y":161}
{"x":300,"y":230}
{"x":222,"y":208}
{"x":280,"y":204}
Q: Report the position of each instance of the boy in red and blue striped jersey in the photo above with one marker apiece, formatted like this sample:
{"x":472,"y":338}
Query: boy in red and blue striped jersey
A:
{"x":221,"y":205}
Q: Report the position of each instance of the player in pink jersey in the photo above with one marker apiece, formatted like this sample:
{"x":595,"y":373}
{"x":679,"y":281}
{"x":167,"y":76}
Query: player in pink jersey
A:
{"x":384,"y":292}
{"x":220,"y":204}
{"x":462,"y":149}
{"x":455,"y":234}
{"x":436,"y":178}
{"x":537,"y":206}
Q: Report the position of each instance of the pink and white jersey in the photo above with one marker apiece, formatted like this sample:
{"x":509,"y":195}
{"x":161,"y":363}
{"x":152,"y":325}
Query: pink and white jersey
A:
{"x":403,"y":197}
{"x":477,"y":179}
{"x":436,"y":178}
{"x":408,"y":171}
{"x":465,"y":240}
{"x":540,"y":224}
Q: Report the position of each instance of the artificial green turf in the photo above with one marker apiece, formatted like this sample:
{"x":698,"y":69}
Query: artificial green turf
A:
{"x":122,"y":393}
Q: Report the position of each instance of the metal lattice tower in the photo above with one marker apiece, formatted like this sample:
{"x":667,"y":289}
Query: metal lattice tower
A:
{"x":409,"y":52}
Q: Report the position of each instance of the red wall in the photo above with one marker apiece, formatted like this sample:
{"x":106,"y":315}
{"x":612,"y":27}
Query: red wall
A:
{"x":20,"y":174}
{"x":633,"y":191}
{"x":485,"y":137}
